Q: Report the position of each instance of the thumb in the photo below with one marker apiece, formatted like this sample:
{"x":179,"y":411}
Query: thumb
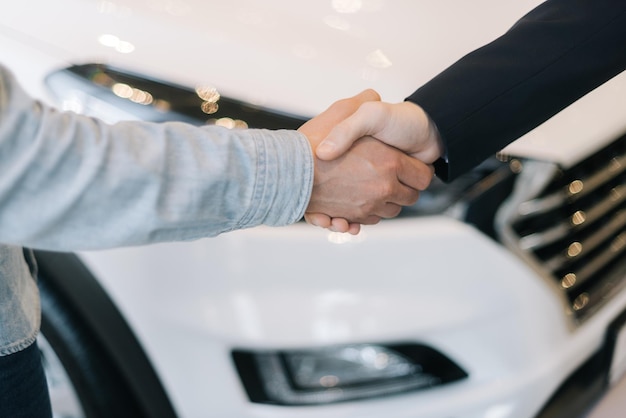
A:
{"x":363,"y":122}
{"x":318,"y":128}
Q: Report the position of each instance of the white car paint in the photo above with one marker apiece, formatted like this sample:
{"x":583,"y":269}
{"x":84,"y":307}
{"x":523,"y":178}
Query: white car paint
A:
{"x":433,"y":279}
{"x":300,"y":58}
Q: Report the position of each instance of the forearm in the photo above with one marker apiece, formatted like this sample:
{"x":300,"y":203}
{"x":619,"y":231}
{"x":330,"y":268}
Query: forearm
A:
{"x":70,"y":182}
{"x":554,"y":55}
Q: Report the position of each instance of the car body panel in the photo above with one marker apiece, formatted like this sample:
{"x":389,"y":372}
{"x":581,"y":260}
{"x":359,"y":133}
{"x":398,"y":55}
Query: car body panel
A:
{"x":432,"y":280}
{"x":299,"y":59}
{"x":318,"y":295}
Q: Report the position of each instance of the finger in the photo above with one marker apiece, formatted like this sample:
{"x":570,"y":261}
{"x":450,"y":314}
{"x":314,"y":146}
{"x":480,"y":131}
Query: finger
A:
{"x":414,"y":173}
{"x":318,"y":128}
{"x":339,"y":225}
{"x":402,"y":195}
{"x":318,"y":219}
{"x":343,"y":108}
{"x":390,"y":210}
{"x":354,"y":229}
{"x":370,"y":220}
{"x":363,"y":122}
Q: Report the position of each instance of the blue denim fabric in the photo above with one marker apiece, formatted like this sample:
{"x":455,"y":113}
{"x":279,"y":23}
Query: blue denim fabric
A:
{"x":19,"y":302}
{"x":70,"y":182}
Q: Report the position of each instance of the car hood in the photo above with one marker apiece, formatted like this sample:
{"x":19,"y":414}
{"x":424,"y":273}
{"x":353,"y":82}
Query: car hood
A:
{"x":298,"y":57}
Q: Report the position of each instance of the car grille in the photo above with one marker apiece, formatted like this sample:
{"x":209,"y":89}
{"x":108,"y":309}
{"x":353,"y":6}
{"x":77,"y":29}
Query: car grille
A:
{"x":575,"y":228}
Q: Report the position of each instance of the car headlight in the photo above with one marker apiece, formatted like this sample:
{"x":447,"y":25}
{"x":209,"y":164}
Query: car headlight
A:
{"x":341,"y":373}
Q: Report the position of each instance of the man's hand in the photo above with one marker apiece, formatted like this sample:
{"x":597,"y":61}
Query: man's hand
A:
{"x":370,"y":182}
{"x":317,"y":129}
{"x":320,"y":126}
{"x":403,"y":125}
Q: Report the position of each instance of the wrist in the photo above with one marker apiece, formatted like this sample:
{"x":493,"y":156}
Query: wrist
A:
{"x":437,"y":146}
{"x":430,"y":146}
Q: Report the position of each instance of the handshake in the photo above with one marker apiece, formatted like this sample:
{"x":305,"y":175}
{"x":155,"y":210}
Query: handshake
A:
{"x":371,"y":158}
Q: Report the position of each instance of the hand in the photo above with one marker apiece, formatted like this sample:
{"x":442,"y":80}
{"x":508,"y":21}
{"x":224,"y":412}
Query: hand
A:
{"x":317,"y":129}
{"x":369,"y":182}
{"x":320,"y":126}
{"x":403,"y":125}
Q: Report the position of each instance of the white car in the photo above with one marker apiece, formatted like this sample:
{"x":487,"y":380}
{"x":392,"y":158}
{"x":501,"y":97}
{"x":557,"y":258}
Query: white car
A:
{"x":499,"y":295}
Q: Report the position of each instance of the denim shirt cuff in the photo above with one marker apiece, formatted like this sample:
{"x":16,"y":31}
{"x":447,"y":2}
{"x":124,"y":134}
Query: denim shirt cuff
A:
{"x":284,"y":178}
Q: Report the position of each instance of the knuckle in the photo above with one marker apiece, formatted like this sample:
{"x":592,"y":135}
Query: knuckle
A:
{"x":392,"y":211}
{"x":410,"y":198}
{"x":341,"y":130}
{"x":371,"y":94}
{"x":386,"y":190}
{"x":369,"y":107}
{"x":425,"y":180}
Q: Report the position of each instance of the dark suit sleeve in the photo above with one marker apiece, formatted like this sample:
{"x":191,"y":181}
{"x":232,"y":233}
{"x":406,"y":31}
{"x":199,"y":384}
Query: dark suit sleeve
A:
{"x":551,"y":57}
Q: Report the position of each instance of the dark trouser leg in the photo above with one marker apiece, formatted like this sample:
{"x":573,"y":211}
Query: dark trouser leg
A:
{"x":23,"y":388}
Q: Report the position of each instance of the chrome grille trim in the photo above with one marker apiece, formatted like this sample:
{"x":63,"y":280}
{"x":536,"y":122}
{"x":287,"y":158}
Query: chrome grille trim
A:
{"x":616,"y":196}
{"x":570,"y":225}
{"x":561,"y":260}
{"x":616,"y":167}
{"x":586,"y":272}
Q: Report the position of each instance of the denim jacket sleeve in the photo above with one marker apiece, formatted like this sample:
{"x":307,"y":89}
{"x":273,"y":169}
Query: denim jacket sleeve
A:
{"x":70,"y":182}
